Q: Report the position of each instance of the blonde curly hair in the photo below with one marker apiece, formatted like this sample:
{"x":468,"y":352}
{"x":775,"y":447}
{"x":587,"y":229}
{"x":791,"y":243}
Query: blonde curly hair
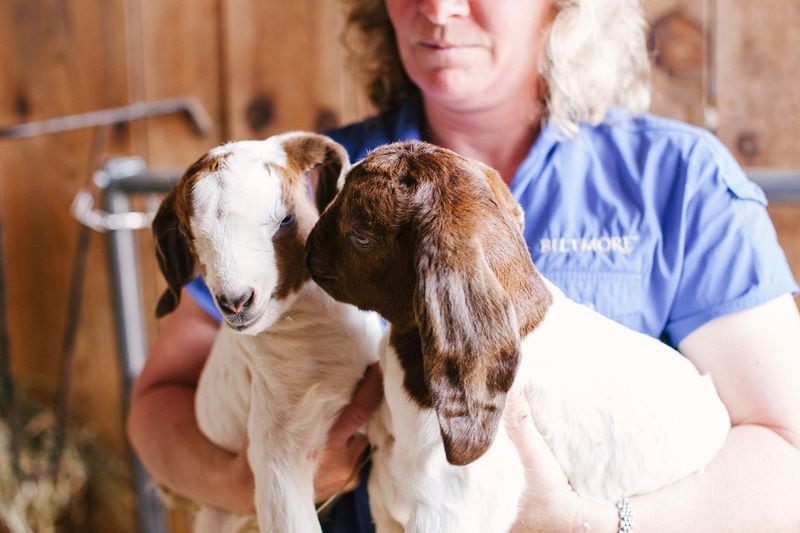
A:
{"x":595,"y":58}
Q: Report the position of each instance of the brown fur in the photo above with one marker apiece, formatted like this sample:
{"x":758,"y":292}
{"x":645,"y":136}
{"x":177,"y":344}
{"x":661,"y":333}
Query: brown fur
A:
{"x":290,"y":254}
{"x":318,"y":151}
{"x":172,"y":232}
{"x":448,"y":266}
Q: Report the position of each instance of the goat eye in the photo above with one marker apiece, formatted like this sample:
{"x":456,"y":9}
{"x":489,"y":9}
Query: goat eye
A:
{"x":288,"y":220}
{"x":359,"y":240}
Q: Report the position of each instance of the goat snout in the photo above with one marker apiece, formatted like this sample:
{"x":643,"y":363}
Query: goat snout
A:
{"x":234,"y":304}
{"x":312,"y":242}
{"x":316,"y":259}
{"x":318,"y":270}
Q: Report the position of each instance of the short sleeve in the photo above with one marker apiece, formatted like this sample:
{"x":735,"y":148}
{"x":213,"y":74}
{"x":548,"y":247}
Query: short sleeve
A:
{"x":198,"y":290}
{"x":732,"y":258}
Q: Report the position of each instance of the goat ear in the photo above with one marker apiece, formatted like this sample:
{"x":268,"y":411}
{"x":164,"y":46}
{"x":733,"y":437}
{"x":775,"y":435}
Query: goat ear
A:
{"x":470,"y":341}
{"x":522,"y":282}
{"x":502,"y":194}
{"x":307,"y":151}
{"x":175,"y":258}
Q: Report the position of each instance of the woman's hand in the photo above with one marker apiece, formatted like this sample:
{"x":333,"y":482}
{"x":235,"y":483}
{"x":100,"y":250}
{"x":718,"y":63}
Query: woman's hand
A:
{"x":344,"y":449}
{"x":240,"y":484}
{"x":549,"y":503}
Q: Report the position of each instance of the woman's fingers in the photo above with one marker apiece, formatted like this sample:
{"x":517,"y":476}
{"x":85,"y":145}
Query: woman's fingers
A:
{"x":521,"y":429}
{"x":366,"y":398}
{"x":549,"y":503}
{"x":535,"y":454}
{"x":345,"y":446}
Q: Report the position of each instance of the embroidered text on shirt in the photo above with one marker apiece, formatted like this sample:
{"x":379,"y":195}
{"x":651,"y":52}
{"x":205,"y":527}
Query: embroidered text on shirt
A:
{"x":623,"y":244}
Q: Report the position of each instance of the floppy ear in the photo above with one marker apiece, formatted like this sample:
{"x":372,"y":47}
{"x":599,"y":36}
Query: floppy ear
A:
{"x":175,"y":258}
{"x":469,"y":336}
{"x":307,"y":151}
{"x":519,"y":277}
{"x":502,"y":194}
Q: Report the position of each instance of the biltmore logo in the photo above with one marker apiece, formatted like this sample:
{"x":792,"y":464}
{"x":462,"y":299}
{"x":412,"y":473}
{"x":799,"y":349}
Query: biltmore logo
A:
{"x":623,"y":244}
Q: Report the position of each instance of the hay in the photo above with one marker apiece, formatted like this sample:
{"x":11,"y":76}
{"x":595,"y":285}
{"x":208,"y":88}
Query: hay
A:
{"x":176,"y":502}
{"x":36,"y":502}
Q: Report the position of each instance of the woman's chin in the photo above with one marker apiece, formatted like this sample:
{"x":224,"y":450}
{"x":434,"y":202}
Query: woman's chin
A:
{"x":454,"y":87}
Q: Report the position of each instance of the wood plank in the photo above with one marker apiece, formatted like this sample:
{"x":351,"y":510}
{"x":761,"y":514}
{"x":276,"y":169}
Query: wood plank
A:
{"x":750,"y":95}
{"x":180,"y":58}
{"x":758,"y":80}
{"x":347,"y":100}
{"x":284,"y":68}
{"x":678,"y":36}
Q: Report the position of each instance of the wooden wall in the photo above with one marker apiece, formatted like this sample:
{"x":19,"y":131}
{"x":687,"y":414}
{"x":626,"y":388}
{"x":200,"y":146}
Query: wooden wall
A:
{"x":259,"y":67}
{"x":57,"y":58}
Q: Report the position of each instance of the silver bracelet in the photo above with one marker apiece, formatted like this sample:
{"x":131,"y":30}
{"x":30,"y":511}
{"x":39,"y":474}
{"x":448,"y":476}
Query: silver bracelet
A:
{"x":625,"y":515}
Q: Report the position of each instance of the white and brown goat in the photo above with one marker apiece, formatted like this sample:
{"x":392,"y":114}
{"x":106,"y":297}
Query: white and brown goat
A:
{"x":288,"y":356}
{"x":433,"y":242}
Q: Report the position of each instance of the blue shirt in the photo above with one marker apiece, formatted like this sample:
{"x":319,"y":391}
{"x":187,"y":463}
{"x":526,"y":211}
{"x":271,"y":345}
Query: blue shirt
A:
{"x":648,"y":220}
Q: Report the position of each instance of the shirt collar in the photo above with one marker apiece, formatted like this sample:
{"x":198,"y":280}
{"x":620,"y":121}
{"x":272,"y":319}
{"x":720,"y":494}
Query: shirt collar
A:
{"x":538,"y":154}
{"x":408,"y":127}
{"x":408,"y":124}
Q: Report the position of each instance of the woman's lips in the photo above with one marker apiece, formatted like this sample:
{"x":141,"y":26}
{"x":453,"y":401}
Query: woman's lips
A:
{"x":441,"y":45}
{"x":437,"y":46}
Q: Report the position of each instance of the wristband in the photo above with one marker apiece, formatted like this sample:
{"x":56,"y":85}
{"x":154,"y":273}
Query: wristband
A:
{"x":625,"y":515}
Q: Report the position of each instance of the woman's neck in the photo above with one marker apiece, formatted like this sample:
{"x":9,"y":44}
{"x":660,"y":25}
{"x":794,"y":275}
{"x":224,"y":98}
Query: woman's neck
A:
{"x":499,"y":136}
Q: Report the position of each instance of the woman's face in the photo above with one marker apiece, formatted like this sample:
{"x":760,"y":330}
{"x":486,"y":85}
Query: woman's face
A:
{"x":470,"y":52}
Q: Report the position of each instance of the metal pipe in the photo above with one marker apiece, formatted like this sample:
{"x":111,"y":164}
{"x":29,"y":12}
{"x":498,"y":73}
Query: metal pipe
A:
{"x":779,"y":184}
{"x":132,"y":350}
{"x":190,"y":107}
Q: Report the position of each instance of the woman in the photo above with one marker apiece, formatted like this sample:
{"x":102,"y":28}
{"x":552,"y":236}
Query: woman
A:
{"x":647,"y":220}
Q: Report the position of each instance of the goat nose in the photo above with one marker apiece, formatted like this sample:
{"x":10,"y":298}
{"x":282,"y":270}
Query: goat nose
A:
{"x":313,"y":255}
{"x":236,"y":303}
{"x":312,"y":243}
{"x":315,"y":261}
{"x":311,"y":261}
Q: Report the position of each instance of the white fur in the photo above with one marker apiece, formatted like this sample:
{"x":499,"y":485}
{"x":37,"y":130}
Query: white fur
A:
{"x":283,"y":378}
{"x":236,"y":212}
{"x":623,"y":413}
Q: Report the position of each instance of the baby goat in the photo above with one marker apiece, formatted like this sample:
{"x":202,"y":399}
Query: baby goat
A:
{"x":433,"y":242}
{"x":288,"y":356}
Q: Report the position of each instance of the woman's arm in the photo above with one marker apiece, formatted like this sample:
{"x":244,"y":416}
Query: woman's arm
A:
{"x":161,"y":424}
{"x":752,"y":484}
